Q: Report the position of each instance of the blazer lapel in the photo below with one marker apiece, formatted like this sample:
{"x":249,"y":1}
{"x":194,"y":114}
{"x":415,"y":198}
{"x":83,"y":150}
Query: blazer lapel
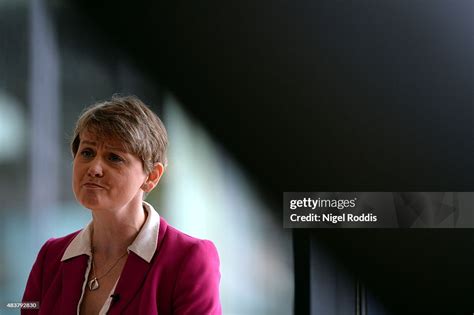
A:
{"x":73,"y":273}
{"x":134,"y":275}
{"x":131,"y":280}
{"x":161,"y":234}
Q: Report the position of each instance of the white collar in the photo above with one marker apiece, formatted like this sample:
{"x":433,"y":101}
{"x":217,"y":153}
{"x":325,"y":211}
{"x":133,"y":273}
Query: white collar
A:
{"x":144,"y":245}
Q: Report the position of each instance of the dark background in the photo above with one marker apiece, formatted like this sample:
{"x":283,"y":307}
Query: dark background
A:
{"x":329,"y":96}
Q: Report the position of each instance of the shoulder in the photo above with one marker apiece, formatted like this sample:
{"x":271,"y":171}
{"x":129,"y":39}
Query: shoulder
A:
{"x":172,"y":237}
{"x":46,"y":267}
{"x":54,"y":248}
{"x":194,"y":267}
{"x":178,"y":246}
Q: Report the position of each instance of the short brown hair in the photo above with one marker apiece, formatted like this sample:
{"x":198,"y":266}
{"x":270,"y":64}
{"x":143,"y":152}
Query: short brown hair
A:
{"x":128,"y":119}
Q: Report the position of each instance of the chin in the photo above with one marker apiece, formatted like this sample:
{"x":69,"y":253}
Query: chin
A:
{"x":91,"y":203}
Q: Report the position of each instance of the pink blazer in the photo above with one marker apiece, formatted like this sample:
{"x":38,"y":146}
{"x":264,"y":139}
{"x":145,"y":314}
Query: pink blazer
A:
{"x":182,"y":278}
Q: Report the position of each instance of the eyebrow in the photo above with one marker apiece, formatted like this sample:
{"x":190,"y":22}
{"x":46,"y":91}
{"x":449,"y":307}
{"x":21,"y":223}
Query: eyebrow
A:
{"x":93,"y":143}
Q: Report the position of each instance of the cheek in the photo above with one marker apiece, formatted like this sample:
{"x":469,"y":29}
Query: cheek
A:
{"x":130,"y":184}
{"x":77,"y":173}
{"x":132,"y":181}
{"x":75,"y":180}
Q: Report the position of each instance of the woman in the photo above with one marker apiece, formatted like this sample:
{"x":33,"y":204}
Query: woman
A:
{"x":127,"y":260}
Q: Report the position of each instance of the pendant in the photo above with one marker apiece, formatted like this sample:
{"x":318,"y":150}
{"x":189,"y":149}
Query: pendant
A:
{"x":93,"y":284}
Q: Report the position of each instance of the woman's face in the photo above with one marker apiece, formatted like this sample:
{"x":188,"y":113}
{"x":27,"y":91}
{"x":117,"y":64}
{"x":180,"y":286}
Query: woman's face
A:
{"x":105,"y":177}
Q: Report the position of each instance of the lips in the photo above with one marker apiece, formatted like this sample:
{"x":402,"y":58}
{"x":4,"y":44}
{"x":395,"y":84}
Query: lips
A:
{"x":92,"y":185}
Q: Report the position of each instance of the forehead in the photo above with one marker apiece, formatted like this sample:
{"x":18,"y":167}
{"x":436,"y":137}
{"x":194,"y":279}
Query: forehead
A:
{"x":90,"y":138}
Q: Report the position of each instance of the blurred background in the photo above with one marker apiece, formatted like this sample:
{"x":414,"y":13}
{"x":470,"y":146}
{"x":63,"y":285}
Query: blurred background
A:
{"x":51,"y":67}
{"x":258,"y":98}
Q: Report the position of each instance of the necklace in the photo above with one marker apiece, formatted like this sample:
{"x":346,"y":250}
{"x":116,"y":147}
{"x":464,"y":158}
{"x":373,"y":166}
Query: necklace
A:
{"x":94,"y":282}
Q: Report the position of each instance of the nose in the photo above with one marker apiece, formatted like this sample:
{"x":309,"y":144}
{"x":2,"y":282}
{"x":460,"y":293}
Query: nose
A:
{"x":95,"y":168}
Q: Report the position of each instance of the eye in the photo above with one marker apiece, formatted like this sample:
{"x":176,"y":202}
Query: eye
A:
{"x":86,"y":153}
{"x":115,"y":158}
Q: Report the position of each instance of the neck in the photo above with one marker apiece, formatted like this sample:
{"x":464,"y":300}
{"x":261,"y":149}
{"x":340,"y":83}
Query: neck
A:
{"x":115,"y":230}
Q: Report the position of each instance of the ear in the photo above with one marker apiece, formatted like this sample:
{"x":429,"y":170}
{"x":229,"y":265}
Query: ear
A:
{"x":153,"y":178}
